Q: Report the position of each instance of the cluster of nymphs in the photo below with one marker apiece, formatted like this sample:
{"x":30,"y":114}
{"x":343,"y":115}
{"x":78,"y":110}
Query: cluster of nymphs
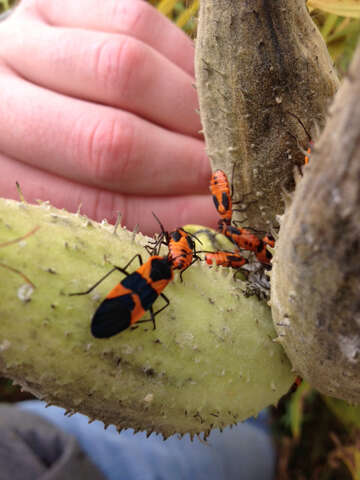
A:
{"x":253,"y":265}
{"x":242,"y":238}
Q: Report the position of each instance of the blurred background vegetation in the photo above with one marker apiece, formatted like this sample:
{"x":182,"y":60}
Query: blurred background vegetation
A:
{"x":317,"y":437}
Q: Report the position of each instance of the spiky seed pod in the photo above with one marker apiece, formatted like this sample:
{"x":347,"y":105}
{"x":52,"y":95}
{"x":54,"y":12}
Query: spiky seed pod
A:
{"x":211,"y":361}
{"x":263,"y":73}
{"x":316,"y":269}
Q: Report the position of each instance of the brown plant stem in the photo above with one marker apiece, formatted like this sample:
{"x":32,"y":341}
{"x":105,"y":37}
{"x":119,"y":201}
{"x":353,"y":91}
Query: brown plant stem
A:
{"x":316,"y":272}
{"x":264,"y":77}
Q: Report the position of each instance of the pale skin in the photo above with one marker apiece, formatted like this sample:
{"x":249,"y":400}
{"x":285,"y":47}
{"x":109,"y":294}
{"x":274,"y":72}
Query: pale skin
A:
{"x":98,"y":108}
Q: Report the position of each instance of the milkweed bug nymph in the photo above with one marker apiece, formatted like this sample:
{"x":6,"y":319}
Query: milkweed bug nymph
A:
{"x":225,"y":259}
{"x":181,"y":246}
{"x":221,"y":195}
{"x":244,"y":239}
{"x":263,"y":254}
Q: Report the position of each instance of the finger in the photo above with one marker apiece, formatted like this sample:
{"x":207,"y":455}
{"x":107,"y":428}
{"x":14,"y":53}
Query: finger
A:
{"x":99,"y":204}
{"x":97,"y":145}
{"x":135,"y":18}
{"x":112,"y":69}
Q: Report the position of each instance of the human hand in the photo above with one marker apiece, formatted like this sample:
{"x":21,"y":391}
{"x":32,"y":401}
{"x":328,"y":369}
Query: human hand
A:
{"x":98,"y":109}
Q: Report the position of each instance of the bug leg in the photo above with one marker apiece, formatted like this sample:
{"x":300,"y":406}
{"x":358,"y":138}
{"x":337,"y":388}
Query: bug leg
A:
{"x":153,"y":314}
{"x":153,"y":317}
{"x":120,"y":269}
{"x":130,"y":262}
{"x":95,"y":284}
{"x":153,"y":247}
{"x":165,"y":306}
{"x":196,"y":258}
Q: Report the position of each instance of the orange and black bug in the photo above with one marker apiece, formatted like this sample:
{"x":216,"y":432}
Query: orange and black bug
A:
{"x":241,"y":237}
{"x":221,"y":195}
{"x":308,"y":152}
{"x":182,"y":251}
{"x":263,"y":254}
{"x":246,"y":240}
{"x":17,"y":240}
{"x":225,"y":259}
{"x":181,"y":247}
{"x":128,"y":301}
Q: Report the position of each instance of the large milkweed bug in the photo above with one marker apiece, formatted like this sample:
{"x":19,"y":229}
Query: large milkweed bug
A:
{"x":263,"y":254}
{"x":225,"y":259}
{"x":221,"y":195}
{"x":241,"y":237}
{"x":246,"y":240}
{"x":181,"y":247}
{"x":127,"y":302}
{"x":12,"y":242}
{"x":182,"y":251}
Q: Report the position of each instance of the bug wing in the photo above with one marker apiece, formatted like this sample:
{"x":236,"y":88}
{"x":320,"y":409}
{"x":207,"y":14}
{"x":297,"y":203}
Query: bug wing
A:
{"x":112,"y":316}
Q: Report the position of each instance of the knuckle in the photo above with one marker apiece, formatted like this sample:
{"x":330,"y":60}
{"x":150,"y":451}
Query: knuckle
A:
{"x":116,"y":61}
{"x":109,"y":149}
{"x":105,"y":147}
{"x":131,"y":61}
{"x":105,"y":62}
{"x":130,"y":16}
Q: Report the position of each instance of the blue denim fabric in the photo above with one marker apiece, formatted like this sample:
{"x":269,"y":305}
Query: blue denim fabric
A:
{"x":243,"y":452}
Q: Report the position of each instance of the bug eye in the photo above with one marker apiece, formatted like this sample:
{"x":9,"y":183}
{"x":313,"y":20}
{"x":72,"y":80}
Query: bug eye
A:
{"x":176,"y":236}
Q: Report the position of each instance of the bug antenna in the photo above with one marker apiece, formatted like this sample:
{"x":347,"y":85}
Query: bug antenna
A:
{"x":159,"y":241}
{"x":161,"y":225}
{"x":193,"y":236}
{"x":301,"y":123}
